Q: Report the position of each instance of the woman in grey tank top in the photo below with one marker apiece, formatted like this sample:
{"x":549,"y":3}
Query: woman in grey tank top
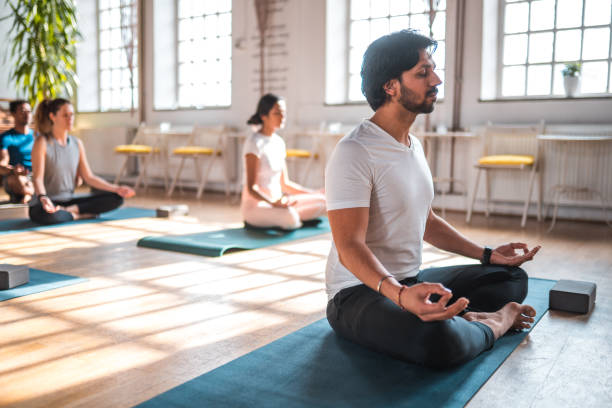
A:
{"x":58,"y":159}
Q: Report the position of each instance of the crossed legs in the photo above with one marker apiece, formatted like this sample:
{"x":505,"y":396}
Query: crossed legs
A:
{"x":363,"y":316}
{"x":306,"y":207}
{"x":87,"y":206}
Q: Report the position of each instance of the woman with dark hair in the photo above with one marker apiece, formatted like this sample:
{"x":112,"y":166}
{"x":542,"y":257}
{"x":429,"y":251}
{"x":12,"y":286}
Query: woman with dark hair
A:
{"x":57,"y":160}
{"x":269,"y":198}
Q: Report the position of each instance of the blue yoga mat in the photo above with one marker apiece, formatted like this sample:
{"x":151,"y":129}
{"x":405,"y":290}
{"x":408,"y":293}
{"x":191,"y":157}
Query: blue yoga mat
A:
{"x":216,"y":243}
{"x":313,"y":367}
{"x":18,"y":225}
{"x":40,"y":281}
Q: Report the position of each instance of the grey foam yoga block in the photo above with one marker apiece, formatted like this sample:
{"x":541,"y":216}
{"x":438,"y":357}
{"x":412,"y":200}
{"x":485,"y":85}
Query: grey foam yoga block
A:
{"x":573,"y":296}
{"x":166,"y":211}
{"x":13,"y":275}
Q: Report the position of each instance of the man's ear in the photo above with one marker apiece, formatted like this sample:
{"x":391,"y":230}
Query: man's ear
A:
{"x":390,"y":87}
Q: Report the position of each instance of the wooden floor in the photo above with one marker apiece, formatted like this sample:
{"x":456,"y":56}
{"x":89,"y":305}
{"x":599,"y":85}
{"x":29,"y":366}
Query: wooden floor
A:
{"x":149,"y":320}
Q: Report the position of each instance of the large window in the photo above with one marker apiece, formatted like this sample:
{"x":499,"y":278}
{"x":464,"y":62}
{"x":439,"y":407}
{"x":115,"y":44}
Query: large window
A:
{"x":540,"y":36}
{"x":204,"y":53}
{"x":118,"y":54}
{"x":371,"y":19}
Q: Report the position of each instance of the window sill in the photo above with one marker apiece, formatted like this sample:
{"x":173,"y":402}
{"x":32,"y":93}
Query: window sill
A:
{"x":547,"y":99}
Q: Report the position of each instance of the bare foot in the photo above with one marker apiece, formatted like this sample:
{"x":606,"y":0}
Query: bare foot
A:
{"x":79,"y":216}
{"x":512,"y":316}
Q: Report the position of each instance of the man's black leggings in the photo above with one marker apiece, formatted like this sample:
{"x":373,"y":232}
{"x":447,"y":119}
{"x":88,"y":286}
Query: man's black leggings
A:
{"x":96,"y":203}
{"x":362,"y":315}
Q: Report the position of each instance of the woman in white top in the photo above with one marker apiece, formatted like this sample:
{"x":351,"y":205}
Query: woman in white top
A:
{"x":269,"y":198}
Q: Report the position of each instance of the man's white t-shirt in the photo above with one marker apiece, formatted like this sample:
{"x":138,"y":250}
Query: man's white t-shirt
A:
{"x":370,"y":168}
{"x":271,"y":152}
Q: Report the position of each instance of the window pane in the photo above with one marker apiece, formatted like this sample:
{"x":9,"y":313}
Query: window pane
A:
{"x":126,"y":98}
{"x":597,"y":12}
{"x":513,"y":81}
{"x":594,"y":77}
{"x":355,"y":88}
{"x":224,"y":48}
{"x":184,"y":29}
{"x":418,"y":6}
{"x":567,"y":45}
{"x":397,"y":7}
{"x":542,"y":15}
{"x":595,"y":43}
{"x":360,"y":9}
{"x":355,"y":60}
{"x":208,"y":7}
{"x":439,"y":26}
{"x":225,"y":24}
{"x":538,"y":80}
{"x":398,"y":23}
{"x":540,"y":47}
{"x":516,"y":17}
{"x":105,"y":100}
{"x":185,"y":8}
{"x":558,"y":88}
{"x":420,"y":22}
{"x":105,"y":79}
{"x":210,"y":26}
{"x":441,"y":73}
{"x":378,"y":28}
{"x":440,"y":55}
{"x":569,"y":13}
{"x":360,"y":33}
{"x":380,"y":8}
{"x":224,"y":6}
{"x":515,"y":49}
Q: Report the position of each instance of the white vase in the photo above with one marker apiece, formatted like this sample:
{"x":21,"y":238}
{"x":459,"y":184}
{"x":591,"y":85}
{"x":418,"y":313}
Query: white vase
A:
{"x":571,"y":84}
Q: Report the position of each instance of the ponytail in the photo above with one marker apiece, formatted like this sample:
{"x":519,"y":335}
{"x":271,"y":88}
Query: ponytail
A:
{"x":264,"y":106}
{"x":42,"y":121}
{"x":255,"y":119}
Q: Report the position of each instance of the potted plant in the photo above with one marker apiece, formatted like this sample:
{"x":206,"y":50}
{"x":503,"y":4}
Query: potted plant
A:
{"x":43,"y":47}
{"x":571,"y":78}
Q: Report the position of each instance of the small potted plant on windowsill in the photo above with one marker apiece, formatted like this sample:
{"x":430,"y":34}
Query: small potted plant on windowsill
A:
{"x":571,"y":78}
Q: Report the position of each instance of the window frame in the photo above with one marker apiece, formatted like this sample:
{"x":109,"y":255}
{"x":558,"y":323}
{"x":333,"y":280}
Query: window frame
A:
{"x":554,"y":30}
{"x":177,"y":63}
{"x":348,"y":47}
{"x":137,"y":61}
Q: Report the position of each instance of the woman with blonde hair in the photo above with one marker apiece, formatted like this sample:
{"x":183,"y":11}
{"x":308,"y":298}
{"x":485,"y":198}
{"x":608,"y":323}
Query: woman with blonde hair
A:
{"x":58,"y":159}
{"x":269,"y":197}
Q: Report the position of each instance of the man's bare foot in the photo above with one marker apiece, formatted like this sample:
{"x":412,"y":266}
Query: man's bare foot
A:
{"x":512,"y":316}
{"x":79,"y":216}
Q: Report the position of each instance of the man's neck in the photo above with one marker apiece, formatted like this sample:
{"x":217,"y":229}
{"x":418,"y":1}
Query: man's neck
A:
{"x":394,"y":121}
{"x":23,"y":129}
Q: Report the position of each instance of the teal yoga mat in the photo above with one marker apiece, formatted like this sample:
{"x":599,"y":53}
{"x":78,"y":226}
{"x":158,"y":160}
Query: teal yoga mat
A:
{"x":313,"y":367}
{"x":18,"y":225}
{"x":216,"y":243}
{"x":40,"y":281}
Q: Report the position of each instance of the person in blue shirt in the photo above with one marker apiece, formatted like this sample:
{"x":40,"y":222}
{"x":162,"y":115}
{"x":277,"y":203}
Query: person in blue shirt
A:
{"x":16,"y":154}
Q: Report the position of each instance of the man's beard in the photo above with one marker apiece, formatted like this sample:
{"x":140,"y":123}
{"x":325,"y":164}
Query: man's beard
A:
{"x":407,"y":99}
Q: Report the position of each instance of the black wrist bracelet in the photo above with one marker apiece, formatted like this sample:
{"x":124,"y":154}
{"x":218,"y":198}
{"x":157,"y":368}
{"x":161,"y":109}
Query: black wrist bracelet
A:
{"x":486,"y":256}
{"x":42,"y":195}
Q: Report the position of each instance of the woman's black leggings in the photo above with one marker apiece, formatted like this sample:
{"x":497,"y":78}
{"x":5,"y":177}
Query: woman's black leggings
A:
{"x":363,"y":316}
{"x":96,"y":203}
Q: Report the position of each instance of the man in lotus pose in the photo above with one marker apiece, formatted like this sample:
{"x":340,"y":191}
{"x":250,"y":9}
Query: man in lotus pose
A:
{"x":379,"y":193}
